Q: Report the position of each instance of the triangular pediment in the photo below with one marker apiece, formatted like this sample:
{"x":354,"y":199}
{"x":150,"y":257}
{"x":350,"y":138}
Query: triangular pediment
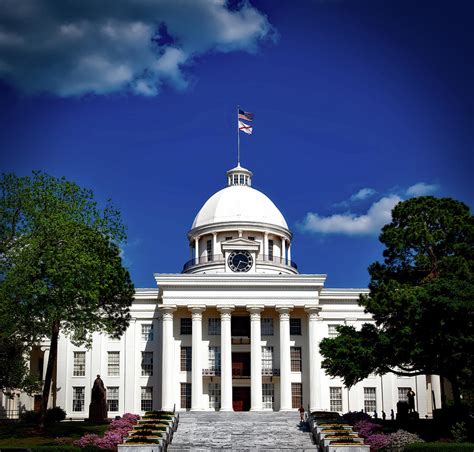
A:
{"x":240,"y":243}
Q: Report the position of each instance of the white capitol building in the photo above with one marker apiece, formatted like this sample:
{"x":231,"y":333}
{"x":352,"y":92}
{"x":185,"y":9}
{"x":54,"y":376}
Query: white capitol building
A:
{"x":238,"y":329}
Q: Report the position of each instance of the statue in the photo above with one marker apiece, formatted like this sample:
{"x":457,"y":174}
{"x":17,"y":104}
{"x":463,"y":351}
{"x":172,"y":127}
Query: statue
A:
{"x":411,"y":400}
{"x":98,"y":405}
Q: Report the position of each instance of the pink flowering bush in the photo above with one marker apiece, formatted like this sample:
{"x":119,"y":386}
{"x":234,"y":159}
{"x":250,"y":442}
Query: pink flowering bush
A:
{"x":366,"y":428}
{"x":117,"y":431}
{"x":378,"y":441}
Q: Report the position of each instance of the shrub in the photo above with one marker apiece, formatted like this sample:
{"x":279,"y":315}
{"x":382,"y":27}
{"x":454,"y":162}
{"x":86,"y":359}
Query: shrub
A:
{"x":378,"y":441}
{"x":29,"y":417}
{"x":366,"y":428}
{"x":441,"y":447}
{"x":459,"y":432}
{"x":402,"y":438}
{"x":56,"y":414}
{"x":355,"y":416}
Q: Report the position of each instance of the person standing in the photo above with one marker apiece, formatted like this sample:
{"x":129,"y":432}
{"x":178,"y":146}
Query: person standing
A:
{"x":301,"y":410}
{"x":411,"y":401}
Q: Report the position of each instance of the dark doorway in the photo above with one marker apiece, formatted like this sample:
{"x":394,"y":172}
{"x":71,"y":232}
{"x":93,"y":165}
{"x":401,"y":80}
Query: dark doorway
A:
{"x":240,"y":364}
{"x":240,"y":326}
{"x":241,"y":398}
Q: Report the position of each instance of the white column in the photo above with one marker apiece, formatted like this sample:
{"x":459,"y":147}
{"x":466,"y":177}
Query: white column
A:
{"x":265,"y":245}
{"x":214,"y":243}
{"x":196,"y":250}
{"x":196,"y":368}
{"x":429,"y":397}
{"x":226,"y":358}
{"x":285,"y":359}
{"x":314,"y":358}
{"x":436,"y":387}
{"x":289,"y":253}
{"x":283,"y":250}
{"x":168,"y":368}
{"x":255,"y":358}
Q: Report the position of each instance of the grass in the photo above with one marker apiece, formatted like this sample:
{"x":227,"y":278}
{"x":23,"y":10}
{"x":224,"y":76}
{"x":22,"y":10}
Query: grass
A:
{"x":61,"y":433}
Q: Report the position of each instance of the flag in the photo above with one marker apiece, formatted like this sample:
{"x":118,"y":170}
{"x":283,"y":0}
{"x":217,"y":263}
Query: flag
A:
{"x":246,"y":128}
{"x":245,"y":115}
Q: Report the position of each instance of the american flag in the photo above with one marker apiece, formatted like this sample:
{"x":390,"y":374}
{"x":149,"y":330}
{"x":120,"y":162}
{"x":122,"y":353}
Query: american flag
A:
{"x":245,"y":115}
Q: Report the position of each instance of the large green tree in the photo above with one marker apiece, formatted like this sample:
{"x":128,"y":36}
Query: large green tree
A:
{"x":421,"y":300}
{"x":60,"y":265}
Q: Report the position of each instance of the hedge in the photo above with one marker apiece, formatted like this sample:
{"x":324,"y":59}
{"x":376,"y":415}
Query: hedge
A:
{"x":439,"y":446}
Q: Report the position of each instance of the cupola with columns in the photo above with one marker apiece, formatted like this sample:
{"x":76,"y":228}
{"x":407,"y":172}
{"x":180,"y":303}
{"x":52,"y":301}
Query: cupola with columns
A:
{"x":240,"y":230}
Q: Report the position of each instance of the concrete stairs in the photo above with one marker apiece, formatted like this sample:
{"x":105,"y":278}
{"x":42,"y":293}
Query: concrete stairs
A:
{"x":241,"y":431}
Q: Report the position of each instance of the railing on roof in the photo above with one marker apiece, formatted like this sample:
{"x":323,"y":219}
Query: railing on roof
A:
{"x":219,"y":258}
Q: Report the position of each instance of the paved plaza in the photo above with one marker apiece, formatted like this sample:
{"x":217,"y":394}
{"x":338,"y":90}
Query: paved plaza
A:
{"x":241,"y":431}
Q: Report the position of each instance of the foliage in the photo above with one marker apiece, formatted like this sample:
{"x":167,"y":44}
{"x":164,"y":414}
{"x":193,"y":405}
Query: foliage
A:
{"x":115,"y":434}
{"x":402,"y":438}
{"x":366,"y":428}
{"x":352,"y":417}
{"x":60,"y":265}
{"x":420,"y":299}
{"x":14,"y":372}
{"x":459,"y":432}
{"x":56,"y":414}
{"x":378,"y":441}
{"x":441,"y":447}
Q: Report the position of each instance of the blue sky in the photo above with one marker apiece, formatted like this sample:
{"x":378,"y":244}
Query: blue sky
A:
{"x":357,"y":104}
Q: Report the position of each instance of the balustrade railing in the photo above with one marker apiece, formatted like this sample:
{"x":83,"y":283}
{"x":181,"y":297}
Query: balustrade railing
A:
{"x":219,"y":258}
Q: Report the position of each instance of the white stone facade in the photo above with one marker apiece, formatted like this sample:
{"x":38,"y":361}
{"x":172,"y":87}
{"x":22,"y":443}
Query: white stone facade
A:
{"x":238,"y":329}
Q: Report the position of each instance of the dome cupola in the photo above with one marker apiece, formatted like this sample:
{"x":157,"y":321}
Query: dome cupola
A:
{"x":242,"y":222}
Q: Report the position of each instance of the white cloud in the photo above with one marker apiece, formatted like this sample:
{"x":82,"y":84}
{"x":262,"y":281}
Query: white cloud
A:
{"x":421,"y":189}
{"x":363,"y":193}
{"x":51,"y":46}
{"x":379,"y":214}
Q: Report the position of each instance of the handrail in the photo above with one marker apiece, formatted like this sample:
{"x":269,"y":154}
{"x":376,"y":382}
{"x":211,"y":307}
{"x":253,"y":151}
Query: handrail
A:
{"x":277,"y":260}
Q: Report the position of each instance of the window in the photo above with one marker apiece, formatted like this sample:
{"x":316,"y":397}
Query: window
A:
{"x":214,"y":326}
{"x":402,"y":394}
{"x":267,"y":326}
{"x":332,"y":332}
{"x":113,"y":364}
{"x":186,"y":395}
{"x":295,"y":353}
{"x":209,"y":250}
{"x":147,"y":364}
{"x":214,"y":396}
{"x":270,"y":250}
{"x":295,"y":327}
{"x":186,"y":325}
{"x":186,"y":359}
{"x":214,"y":358}
{"x":228,"y":238}
{"x":251,"y":238}
{"x":112,"y":398}
{"x":146,"y":398}
{"x":242,"y":179}
{"x":370,"y":400}
{"x":267,"y":358}
{"x":268,"y":395}
{"x":147,"y":332}
{"x":236,"y":179}
{"x":296,"y":395}
{"x":78,"y":398}
{"x":79,"y":364}
{"x":335,"y":398}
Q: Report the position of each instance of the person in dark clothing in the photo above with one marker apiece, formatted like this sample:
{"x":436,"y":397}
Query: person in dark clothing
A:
{"x":411,"y":401}
{"x":301,"y":410}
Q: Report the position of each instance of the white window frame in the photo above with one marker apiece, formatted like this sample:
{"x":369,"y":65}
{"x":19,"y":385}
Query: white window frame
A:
{"x":147,"y":332}
{"x":335,"y":398}
{"x":146,"y":398}
{"x":267,"y":326}
{"x":268,"y":396}
{"x":214,"y":396}
{"x":79,"y":366}
{"x":214,"y":358}
{"x":147,"y":364}
{"x":332,"y":330}
{"x":370,"y":399}
{"x":113,"y":398}
{"x":78,"y":393}
{"x":113,"y":364}
{"x":214,"y":326}
{"x":267,"y":357}
{"x":402,"y":394}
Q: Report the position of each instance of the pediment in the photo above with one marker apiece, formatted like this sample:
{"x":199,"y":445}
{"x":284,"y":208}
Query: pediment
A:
{"x":240,"y":243}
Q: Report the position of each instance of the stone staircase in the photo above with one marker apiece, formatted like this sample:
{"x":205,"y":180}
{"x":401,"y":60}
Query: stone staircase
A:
{"x":242,"y":431}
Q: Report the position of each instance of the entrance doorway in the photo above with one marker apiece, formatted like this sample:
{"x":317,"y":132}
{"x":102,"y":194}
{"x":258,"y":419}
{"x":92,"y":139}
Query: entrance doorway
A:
{"x":240,"y":364}
{"x":241,"y":398}
{"x":240,"y":326}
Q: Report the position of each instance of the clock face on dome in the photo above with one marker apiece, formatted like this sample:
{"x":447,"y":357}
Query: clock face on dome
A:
{"x":240,"y":261}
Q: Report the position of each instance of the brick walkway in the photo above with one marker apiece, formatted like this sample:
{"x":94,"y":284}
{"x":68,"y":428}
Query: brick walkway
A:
{"x":244,"y":431}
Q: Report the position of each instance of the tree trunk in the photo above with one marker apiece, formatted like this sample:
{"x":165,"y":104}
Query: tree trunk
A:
{"x":53,"y":354}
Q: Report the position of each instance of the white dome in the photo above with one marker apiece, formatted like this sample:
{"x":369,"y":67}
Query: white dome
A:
{"x":239,"y":203}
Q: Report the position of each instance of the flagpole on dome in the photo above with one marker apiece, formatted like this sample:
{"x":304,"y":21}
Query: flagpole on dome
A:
{"x":238,"y":137}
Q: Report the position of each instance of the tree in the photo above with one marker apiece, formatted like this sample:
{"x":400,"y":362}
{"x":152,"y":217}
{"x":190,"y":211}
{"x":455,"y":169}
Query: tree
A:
{"x":60,"y":265}
{"x":421,"y":300}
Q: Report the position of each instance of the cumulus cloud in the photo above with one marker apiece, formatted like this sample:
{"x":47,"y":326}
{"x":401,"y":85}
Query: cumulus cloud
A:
{"x":362,"y":194}
{"x":378,"y":214}
{"x":421,"y":189}
{"x":72,"y":48}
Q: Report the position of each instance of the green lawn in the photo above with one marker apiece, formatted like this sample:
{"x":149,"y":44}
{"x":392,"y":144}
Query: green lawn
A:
{"x":61,"y":433}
